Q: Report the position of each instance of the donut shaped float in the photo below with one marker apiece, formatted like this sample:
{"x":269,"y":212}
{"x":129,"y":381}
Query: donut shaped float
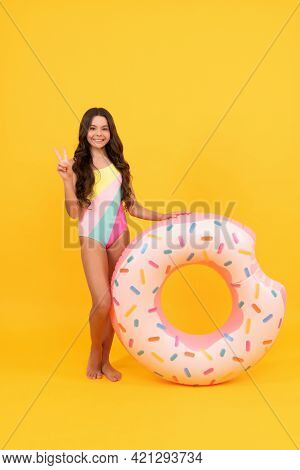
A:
{"x":258,"y":302}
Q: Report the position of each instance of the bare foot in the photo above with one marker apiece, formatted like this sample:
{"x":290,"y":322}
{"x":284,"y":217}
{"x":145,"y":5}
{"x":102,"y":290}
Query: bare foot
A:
{"x":93,"y":370}
{"x":111,"y":373}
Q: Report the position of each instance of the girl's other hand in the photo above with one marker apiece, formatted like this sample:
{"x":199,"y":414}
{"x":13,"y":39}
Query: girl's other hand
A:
{"x":64,"y":166}
{"x":170,"y":215}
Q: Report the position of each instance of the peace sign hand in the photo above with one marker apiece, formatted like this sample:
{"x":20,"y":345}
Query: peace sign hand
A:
{"x":64,"y":166}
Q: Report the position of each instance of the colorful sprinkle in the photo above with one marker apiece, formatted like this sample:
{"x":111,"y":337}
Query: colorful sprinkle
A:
{"x":142,"y":274}
{"x":152,"y":235}
{"x":176,"y":340}
{"x":136,"y":323}
{"x":155,"y":289}
{"x":192,"y":227}
{"x":130,"y":259}
{"x":139,"y":353}
{"x":267,"y":341}
{"x":222,"y":352}
{"x":227,"y":263}
{"x":135,"y":290}
{"x":173,"y":357}
{"x":245,"y":252}
{"x":160,"y":325}
{"x":144,"y":248}
{"x":181,"y":240}
{"x":248,"y":324}
{"x":217,"y":223}
{"x":256,"y":308}
{"x":208,"y":371}
{"x":154,"y":338}
{"x":130,"y":342}
{"x":227,"y":336}
{"x":241,"y":303}
{"x":206,"y":238}
{"x":279,"y":324}
{"x":153,"y":264}
{"x":220,"y":248}
{"x":257,"y":291}
{"x":157,"y":357}
{"x":153,"y":309}
{"x":190,"y":256}
{"x":206,"y":354}
{"x":237,"y":359}
{"x":166,"y":252}
{"x":124,"y":270}
{"x":130,"y":310}
{"x":267,"y":318}
{"x":116,"y":282}
{"x":274,"y":293}
{"x":235,"y":238}
{"x":169,"y":227}
{"x":115,"y":301}
{"x":247,"y":272}
{"x":248,"y":344}
{"x":189,"y":354}
{"x":187,"y":372}
{"x":168,"y":268}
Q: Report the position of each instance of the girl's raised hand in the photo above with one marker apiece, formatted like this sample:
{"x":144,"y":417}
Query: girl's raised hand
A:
{"x":64,"y":166}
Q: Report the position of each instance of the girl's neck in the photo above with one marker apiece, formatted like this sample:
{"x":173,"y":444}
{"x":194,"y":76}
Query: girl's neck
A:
{"x":100,"y":159}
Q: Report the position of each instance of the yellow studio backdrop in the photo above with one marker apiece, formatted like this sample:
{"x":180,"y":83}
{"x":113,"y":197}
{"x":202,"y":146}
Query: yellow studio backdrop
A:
{"x":205,"y":96}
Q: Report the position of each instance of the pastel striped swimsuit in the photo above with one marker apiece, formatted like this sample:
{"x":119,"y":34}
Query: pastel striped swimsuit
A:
{"x":104,"y":220}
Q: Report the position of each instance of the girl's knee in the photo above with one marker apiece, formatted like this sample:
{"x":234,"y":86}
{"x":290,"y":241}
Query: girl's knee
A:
{"x":101,"y":305}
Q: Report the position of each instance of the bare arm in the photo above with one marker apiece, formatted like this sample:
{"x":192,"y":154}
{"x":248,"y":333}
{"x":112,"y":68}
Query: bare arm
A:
{"x":71,"y":202}
{"x":141,"y":212}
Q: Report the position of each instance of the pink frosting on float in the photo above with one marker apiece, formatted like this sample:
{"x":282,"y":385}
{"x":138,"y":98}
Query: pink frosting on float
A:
{"x":178,"y":220}
{"x":236,"y":316}
{"x":192,"y":217}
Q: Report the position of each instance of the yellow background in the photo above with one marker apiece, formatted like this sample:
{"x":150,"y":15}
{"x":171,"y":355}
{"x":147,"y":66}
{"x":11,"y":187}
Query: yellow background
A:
{"x":179,"y":78}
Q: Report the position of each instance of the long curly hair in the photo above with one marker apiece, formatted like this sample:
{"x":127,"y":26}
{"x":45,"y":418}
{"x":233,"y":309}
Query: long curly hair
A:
{"x":82,"y":165}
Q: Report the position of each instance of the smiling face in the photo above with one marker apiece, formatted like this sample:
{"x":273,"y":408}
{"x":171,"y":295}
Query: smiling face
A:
{"x":98,"y":133}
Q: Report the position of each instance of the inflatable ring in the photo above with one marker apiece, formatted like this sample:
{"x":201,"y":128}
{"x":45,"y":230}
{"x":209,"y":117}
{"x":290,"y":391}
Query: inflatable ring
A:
{"x":258,"y":302}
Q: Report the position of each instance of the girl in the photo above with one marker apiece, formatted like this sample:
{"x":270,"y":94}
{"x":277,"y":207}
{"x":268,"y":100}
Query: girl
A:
{"x":99,"y":171}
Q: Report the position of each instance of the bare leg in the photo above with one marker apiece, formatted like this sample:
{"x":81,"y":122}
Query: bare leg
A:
{"x":95,"y":264}
{"x":113,"y":253}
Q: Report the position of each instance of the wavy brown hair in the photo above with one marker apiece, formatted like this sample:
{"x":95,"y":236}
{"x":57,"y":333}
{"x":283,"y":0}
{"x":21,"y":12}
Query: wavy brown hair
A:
{"x":82,"y":165}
